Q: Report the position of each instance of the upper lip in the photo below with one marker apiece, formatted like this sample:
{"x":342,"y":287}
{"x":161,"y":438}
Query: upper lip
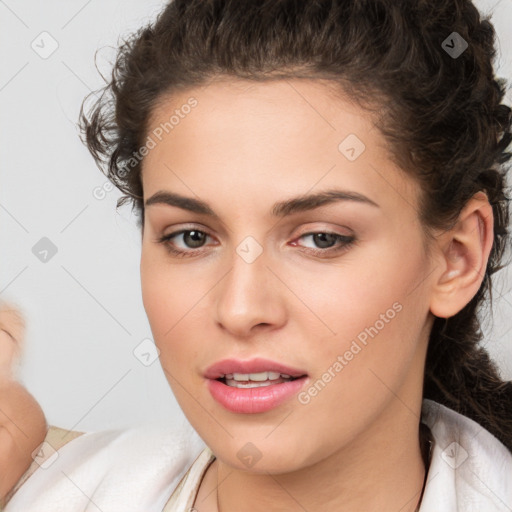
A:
{"x":257,"y":365}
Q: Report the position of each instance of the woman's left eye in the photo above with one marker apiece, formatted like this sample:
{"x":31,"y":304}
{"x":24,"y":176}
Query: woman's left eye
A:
{"x":327,"y":240}
{"x":194,"y":239}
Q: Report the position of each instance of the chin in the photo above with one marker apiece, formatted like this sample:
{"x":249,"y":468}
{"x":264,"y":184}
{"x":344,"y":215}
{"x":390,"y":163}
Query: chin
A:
{"x":262,"y":457}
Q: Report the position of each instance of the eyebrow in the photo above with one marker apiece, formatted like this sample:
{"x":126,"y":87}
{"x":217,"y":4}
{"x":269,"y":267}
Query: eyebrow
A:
{"x":280,"y":209}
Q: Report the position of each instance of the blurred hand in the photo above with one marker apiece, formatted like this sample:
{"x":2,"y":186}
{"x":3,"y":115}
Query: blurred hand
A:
{"x":23,"y":424}
{"x":12,"y":331}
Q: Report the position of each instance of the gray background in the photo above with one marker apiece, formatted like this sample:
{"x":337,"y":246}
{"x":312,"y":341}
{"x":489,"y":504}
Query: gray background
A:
{"x":83,"y":306}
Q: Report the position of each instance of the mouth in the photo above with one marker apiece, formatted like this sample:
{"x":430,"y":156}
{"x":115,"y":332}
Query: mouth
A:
{"x":255,"y":370}
{"x":255,"y":380}
{"x":255,"y":386}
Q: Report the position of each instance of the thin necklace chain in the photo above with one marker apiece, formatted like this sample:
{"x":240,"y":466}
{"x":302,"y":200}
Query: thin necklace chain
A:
{"x":426,"y":442}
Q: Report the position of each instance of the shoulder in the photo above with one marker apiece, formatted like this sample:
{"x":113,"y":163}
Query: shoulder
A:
{"x":117,"y":470}
{"x":470,"y":468}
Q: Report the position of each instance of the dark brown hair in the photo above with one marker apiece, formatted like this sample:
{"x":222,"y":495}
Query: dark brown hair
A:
{"x":441,"y":113}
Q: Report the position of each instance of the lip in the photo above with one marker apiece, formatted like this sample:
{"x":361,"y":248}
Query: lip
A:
{"x":252,"y":400}
{"x":256,"y":365}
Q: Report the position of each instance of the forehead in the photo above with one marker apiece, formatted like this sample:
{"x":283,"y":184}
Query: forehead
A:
{"x":285,"y":135}
{"x":310,"y":107}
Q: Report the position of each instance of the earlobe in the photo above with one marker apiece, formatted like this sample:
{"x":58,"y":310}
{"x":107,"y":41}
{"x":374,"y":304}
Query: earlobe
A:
{"x":464,"y":253}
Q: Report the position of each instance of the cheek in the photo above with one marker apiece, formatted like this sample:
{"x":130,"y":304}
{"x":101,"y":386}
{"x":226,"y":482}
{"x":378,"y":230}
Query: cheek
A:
{"x":172,"y":301}
{"x":173,"y":311}
{"x":338,"y":302}
{"x":372,"y":313}
{"x":160,"y":302}
{"x":385,"y":276}
{"x":164,"y":292}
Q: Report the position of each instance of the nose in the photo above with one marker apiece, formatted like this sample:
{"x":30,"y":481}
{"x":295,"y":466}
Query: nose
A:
{"x":249,"y":298}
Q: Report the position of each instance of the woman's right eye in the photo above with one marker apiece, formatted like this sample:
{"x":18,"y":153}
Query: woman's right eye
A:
{"x":190,"y":237}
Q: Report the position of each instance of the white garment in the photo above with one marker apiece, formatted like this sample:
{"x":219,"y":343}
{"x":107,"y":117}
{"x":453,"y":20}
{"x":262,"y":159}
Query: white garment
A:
{"x":470,"y":470}
{"x":133,"y":470}
{"x":139,"y":469}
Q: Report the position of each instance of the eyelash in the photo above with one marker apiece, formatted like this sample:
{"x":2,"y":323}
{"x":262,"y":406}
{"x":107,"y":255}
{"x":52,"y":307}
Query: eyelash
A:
{"x":347,"y":243}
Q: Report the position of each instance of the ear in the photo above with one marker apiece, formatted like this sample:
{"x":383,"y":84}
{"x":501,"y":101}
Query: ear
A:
{"x":464,"y":252}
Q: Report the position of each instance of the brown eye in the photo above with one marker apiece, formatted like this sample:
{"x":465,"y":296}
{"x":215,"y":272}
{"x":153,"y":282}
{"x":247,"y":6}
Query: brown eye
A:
{"x":324,"y":240}
{"x":190,"y":239}
{"x":327,"y":243}
{"x":194,"y":239}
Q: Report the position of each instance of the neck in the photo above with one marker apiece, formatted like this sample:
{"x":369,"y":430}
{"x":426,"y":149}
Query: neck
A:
{"x":382,"y":470}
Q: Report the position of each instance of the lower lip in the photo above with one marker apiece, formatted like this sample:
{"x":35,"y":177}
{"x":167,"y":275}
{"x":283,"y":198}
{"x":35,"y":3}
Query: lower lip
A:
{"x":254,"y":400}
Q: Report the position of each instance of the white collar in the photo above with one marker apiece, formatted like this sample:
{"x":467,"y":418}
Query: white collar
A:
{"x":138,"y":469}
{"x":470,"y":469}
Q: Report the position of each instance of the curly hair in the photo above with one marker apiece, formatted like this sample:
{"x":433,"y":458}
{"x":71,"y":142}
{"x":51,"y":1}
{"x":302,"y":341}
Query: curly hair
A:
{"x":440,"y":112}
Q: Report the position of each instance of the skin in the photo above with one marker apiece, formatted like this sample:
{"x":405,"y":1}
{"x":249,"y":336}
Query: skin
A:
{"x":23,"y":425}
{"x":245,"y":146}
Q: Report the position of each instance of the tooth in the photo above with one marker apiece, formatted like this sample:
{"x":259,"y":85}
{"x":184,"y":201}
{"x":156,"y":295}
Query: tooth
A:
{"x":256,"y":384}
{"x":241,"y":376}
{"x":256,"y":377}
{"x":259,"y":377}
{"x":236,"y":384}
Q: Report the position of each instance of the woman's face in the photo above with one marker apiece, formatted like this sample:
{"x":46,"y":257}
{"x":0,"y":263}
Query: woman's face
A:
{"x":259,"y":278}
